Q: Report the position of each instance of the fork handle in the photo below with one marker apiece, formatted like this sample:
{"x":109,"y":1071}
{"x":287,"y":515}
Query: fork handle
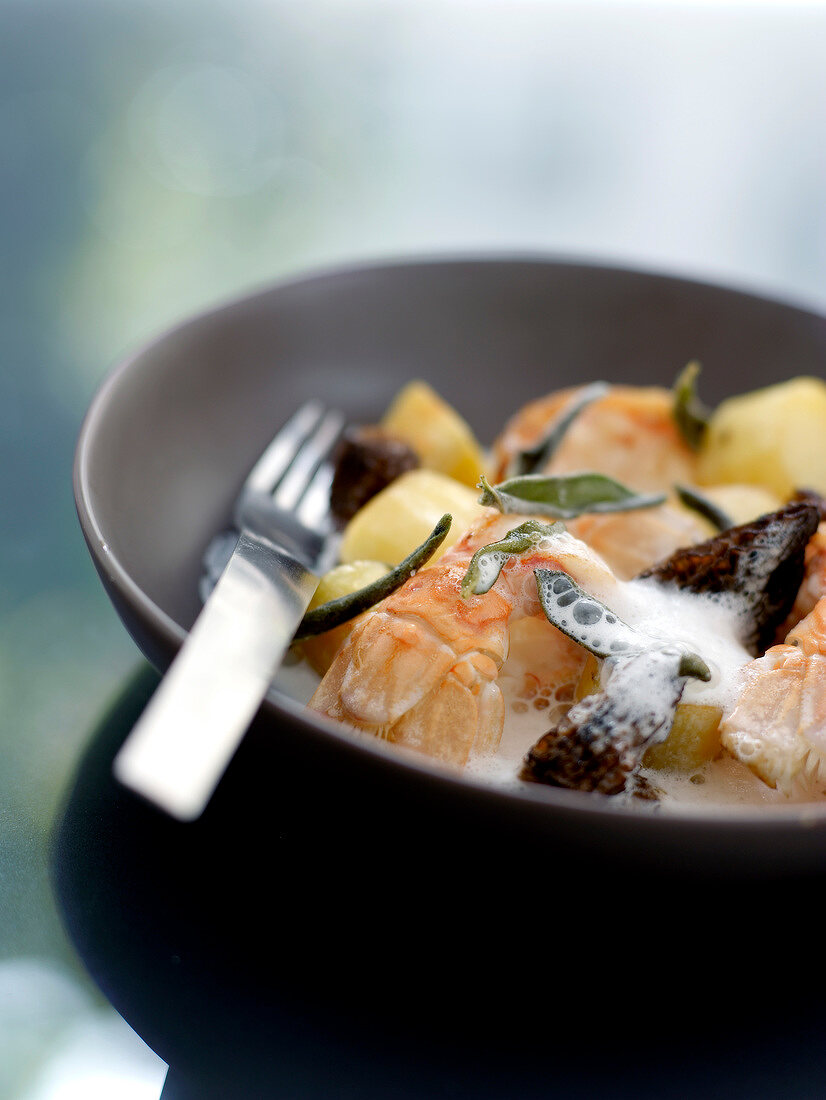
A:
{"x":184,"y":740}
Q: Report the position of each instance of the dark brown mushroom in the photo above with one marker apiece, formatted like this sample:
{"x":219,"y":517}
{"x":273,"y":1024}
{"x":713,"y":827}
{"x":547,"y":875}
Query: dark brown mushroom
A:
{"x":367,"y":461}
{"x":600,"y":744}
{"x":761,"y":562}
{"x":811,"y":496}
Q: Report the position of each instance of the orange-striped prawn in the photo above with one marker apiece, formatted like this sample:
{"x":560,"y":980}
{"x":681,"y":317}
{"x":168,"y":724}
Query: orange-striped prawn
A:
{"x":813,"y":585}
{"x":422,"y":668}
{"x":626,"y":432}
{"x":778,"y":725}
{"x":630,"y":541}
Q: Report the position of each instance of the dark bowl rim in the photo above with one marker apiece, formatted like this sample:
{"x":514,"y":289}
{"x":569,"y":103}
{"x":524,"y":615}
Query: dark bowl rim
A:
{"x":768,"y":818}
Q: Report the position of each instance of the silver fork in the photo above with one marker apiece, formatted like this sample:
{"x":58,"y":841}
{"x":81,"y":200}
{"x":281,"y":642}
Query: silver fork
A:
{"x":192,"y":725}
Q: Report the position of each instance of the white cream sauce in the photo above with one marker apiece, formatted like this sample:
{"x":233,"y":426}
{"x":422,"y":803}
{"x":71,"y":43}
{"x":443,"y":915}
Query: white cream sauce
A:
{"x":721,"y":782}
{"x":706,"y":625}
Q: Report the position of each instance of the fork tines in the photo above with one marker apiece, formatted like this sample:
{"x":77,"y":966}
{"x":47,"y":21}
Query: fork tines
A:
{"x":295,"y":467}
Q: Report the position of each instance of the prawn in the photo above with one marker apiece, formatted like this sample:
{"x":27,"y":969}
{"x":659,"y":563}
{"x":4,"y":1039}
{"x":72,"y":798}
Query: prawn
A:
{"x":634,"y":540}
{"x":629,"y":433}
{"x":778,"y":725}
{"x":422,"y":668}
{"x":813,"y":586}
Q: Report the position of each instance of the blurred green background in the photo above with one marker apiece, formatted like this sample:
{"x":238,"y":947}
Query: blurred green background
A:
{"x":159,"y":157}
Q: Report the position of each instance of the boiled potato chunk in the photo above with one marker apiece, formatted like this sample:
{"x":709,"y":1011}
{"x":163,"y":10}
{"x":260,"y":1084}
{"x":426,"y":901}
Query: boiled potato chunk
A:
{"x":589,"y":679}
{"x":743,"y":503}
{"x":340,"y":581}
{"x":399,"y":518}
{"x":693,"y":740}
{"x":773,"y":437}
{"x":436,"y":432}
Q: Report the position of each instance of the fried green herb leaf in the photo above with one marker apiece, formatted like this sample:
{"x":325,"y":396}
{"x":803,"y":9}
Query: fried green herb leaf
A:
{"x":534,"y":458}
{"x":486,"y":564}
{"x":690,"y":414}
{"x":564,"y":497}
{"x":582,"y":617}
{"x":335,"y":612}
{"x":598,"y":629}
{"x":704,"y":507}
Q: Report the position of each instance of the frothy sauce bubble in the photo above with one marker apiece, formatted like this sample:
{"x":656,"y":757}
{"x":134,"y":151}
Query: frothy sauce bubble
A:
{"x":708,"y":625}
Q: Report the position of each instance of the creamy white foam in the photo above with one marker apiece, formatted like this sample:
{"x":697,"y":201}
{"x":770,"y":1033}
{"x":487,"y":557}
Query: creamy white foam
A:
{"x":704,"y":624}
{"x":708,"y":625}
{"x":721,"y":782}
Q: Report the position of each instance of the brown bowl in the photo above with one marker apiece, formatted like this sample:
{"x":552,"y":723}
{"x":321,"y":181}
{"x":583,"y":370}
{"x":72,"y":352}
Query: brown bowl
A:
{"x":173,"y":431}
{"x":334,"y":870}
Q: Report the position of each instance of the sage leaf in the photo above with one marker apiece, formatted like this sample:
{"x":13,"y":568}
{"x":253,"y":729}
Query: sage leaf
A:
{"x":487,"y":563}
{"x":533,"y":458}
{"x":335,"y":612}
{"x":690,"y":414}
{"x":704,"y":507}
{"x":588,"y":622}
{"x":691,"y":664}
{"x":564,"y":497}
{"x":584,"y":618}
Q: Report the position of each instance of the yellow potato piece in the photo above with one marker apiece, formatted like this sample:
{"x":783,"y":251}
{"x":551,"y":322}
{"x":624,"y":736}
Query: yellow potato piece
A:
{"x":399,"y":518}
{"x":773,"y":437}
{"x":589,"y":680}
{"x":437,"y":433}
{"x":340,"y":581}
{"x":693,"y":740}
{"x":743,"y":503}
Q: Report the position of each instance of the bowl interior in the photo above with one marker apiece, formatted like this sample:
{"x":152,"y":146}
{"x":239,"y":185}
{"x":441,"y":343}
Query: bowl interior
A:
{"x":416,"y":875}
